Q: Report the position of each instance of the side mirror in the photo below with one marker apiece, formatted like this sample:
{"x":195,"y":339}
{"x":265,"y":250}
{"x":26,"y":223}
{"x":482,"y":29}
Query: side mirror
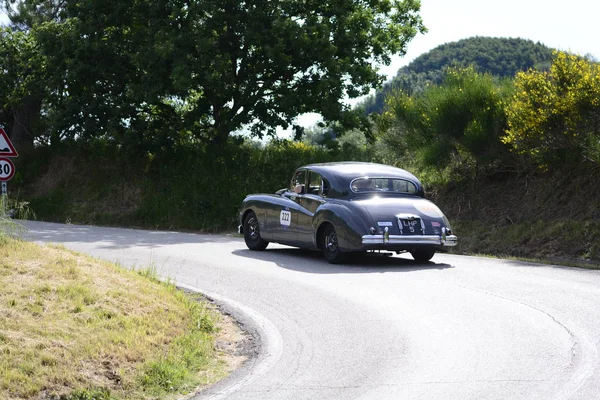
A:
{"x":299,"y":189}
{"x":281,"y":191}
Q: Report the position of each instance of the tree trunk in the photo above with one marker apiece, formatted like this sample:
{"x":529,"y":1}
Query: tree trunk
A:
{"x":221,"y":127}
{"x":21,"y":126}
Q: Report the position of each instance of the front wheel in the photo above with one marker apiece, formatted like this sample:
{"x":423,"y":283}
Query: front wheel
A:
{"x":331,"y":248}
{"x":422,"y":256}
{"x":252,"y":233}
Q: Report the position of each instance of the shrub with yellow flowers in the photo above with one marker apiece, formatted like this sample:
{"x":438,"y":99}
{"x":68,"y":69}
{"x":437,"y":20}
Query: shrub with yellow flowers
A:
{"x":554,"y":116}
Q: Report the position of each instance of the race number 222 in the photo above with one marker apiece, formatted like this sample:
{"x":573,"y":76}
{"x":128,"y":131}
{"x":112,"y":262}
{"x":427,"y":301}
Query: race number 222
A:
{"x":285,"y":218}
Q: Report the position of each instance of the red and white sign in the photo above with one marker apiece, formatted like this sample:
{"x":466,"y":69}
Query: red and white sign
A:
{"x":7,"y":169}
{"x":6,"y":147}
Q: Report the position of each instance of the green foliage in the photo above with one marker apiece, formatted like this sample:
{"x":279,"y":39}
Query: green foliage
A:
{"x":11,"y":209}
{"x":24,"y":73}
{"x":203,"y":189}
{"x":554,"y":116}
{"x":93,"y":394}
{"x":152,"y":74}
{"x":191,"y":187}
{"x":500,"y":57}
{"x":459,"y":122}
{"x":18,"y":209}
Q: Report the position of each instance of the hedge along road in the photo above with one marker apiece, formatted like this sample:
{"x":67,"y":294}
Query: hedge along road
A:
{"x":380,"y":327}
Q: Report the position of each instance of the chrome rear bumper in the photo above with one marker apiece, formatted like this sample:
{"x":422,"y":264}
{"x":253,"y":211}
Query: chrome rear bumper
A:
{"x":448,"y":241}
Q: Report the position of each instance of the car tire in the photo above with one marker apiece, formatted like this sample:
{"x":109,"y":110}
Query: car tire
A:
{"x":252,"y":233}
{"x":422,"y":256}
{"x":331,"y":248}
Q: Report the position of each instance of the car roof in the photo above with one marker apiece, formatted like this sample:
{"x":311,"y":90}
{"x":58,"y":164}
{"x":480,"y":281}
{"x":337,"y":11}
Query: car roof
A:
{"x":340,"y":174}
{"x":352,"y":170}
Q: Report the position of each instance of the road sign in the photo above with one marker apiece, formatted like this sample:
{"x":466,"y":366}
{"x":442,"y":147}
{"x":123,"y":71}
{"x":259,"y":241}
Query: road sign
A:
{"x":7,"y":169}
{"x":6,"y":147}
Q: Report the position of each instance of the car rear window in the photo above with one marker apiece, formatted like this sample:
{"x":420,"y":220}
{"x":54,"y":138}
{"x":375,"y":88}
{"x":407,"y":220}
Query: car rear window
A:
{"x":389,"y":185}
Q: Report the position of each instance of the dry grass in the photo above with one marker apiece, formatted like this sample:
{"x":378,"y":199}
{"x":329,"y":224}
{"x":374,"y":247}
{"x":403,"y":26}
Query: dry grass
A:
{"x":72,"y":326}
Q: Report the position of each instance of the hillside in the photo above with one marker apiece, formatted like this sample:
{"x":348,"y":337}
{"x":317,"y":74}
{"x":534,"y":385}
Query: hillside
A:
{"x":549,"y":215}
{"x":501,"y":57}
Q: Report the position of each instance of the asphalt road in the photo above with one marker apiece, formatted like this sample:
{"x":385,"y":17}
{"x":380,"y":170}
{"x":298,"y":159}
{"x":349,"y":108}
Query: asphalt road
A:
{"x":380,"y":327}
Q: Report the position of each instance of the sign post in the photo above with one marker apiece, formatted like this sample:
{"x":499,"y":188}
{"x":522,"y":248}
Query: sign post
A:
{"x":7,"y":168}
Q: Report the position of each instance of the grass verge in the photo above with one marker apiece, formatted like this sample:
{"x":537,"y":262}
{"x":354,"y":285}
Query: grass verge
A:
{"x":72,"y":327}
{"x":582,"y":264}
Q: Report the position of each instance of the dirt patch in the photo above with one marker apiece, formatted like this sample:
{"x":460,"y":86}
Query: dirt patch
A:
{"x":235,"y":345}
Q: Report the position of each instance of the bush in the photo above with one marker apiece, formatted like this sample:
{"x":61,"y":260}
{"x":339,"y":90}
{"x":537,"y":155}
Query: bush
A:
{"x":554,"y":116}
{"x":202,"y":189}
{"x":460,"y":121}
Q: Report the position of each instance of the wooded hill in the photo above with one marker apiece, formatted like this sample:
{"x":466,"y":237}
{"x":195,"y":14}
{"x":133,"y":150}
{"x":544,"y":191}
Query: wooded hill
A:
{"x":500,"y":57}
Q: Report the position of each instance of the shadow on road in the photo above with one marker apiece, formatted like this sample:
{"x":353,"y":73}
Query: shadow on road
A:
{"x":115,"y":238}
{"x":313,"y":262}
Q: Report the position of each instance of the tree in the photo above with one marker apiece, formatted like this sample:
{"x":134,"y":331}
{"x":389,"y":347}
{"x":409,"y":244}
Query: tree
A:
{"x":500,"y":57}
{"x":25,"y":83}
{"x":460,"y":120}
{"x":24,"y":15}
{"x":555,"y":115}
{"x":22,"y":87}
{"x":221,"y":64}
{"x":273,"y":61}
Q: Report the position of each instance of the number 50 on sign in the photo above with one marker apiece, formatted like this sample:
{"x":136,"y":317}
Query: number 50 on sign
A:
{"x":7,"y":169}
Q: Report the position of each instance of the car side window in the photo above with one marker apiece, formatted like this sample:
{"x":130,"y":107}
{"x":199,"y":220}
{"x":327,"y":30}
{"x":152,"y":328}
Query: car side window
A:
{"x":326,"y":187}
{"x":315,"y":182}
{"x":298,"y":179}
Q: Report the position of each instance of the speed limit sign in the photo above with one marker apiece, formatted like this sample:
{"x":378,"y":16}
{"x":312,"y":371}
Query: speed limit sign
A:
{"x":7,"y":169}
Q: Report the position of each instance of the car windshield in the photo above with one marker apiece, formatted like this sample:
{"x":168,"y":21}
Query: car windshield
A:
{"x":389,"y":185}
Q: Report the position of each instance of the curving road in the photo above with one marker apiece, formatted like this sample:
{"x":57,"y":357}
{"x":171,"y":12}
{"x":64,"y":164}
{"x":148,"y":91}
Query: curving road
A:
{"x":381,"y":327}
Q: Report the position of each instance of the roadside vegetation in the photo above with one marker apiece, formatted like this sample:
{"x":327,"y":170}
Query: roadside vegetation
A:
{"x":72,"y":327}
{"x":514,"y":172}
{"x":115,"y":127}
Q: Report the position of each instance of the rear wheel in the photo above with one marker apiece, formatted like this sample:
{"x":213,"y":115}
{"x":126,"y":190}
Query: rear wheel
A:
{"x":252,"y":233}
{"x":422,"y":256}
{"x":331,"y":248}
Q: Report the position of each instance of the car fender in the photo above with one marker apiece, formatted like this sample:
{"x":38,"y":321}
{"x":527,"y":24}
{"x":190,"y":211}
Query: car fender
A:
{"x":350,"y":220}
{"x":261,"y":204}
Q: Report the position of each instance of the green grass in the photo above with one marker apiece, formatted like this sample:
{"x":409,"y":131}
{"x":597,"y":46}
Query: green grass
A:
{"x":72,"y":327}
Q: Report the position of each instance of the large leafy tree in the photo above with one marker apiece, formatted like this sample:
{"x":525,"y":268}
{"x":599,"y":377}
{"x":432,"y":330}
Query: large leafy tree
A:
{"x":210,"y":67}
{"x":270,"y":61}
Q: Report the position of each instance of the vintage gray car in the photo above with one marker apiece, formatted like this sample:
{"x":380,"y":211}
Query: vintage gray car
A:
{"x":345,"y":207}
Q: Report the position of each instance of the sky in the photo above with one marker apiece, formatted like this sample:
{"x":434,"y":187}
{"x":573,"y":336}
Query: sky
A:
{"x":565,"y":25}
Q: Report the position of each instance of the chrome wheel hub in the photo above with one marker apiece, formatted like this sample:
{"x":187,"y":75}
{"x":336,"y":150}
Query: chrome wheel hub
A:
{"x":331,"y":243}
{"x":253,"y":228}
